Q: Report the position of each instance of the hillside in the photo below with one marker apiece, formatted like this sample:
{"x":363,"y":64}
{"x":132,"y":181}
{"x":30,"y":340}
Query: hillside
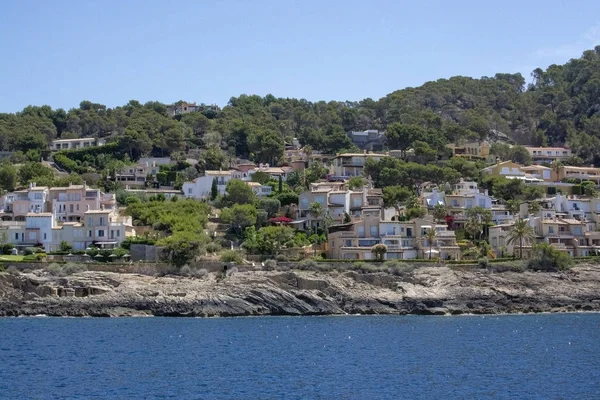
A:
{"x":560,"y":106}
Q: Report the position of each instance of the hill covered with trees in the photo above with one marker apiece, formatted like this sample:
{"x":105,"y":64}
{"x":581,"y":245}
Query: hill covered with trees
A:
{"x":561,"y":105}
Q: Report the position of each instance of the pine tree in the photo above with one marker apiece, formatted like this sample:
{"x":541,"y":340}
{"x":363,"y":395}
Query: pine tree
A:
{"x":214,"y":189}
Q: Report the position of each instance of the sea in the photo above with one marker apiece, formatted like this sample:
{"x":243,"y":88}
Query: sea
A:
{"x":542,"y":356}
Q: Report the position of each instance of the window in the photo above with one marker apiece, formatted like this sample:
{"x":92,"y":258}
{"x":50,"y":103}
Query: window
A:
{"x":348,"y":243}
{"x":550,"y":229}
{"x":31,"y":235}
{"x":101,"y":233}
{"x":37,"y":196}
{"x":77,"y":207}
{"x":91,"y":221}
{"x":189,"y":190}
{"x":70,"y":208}
{"x":44,"y":236}
{"x":373,"y":229}
{"x":16,"y":236}
{"x":361,"y":231}
{"x":101,"y":221}
{"x":89,"y":233}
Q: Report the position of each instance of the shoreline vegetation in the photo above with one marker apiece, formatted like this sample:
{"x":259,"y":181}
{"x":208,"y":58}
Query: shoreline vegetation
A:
{"x":290,"y":290}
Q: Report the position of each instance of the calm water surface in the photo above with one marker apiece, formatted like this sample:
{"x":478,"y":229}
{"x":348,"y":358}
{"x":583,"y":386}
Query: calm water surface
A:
{"x":498,"y":357}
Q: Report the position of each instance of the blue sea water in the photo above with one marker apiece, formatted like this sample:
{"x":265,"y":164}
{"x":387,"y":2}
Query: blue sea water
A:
{"x":552,"y":356}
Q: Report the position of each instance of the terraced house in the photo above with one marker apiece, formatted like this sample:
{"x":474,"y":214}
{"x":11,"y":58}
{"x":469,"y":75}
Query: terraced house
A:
{"x":81,"y":216}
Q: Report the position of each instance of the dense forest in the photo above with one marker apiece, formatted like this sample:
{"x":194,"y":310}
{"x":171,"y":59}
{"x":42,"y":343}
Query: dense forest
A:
{"x":561,"y":105}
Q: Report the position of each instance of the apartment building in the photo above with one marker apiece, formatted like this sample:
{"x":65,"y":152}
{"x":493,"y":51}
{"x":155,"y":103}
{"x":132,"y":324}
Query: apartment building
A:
{"x":582,"y":173}
{"x":352,"y":164}
{"x":70,"y":203}
{"x":39,"y":216}
{"x":18,"y":204}
{"x":570,"y":235}
{"x":403,"y":239}
{"x":336,"y":200}
{"x":74,"y":144}
{"x":354,"y":240}
{"x":548,"y":154}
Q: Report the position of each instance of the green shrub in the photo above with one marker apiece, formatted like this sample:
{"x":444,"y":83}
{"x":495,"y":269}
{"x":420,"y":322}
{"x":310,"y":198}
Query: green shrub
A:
{"x":483,"y":262}
{"x":308,"y":265}
{"x":232,"y":256}
{"x":29,"y":251}
{"x":547,"y":258}
{"x":213,"y":247}
{"x":281,"y":257}
{"x":270,"y":265}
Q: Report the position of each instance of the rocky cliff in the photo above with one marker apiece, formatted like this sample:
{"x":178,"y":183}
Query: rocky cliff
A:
{"x":427,"y":290}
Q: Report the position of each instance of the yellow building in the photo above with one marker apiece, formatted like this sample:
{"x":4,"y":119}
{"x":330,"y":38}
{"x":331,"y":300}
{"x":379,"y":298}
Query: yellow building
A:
{"x":583,"y":173}
{"x":480,"y":150}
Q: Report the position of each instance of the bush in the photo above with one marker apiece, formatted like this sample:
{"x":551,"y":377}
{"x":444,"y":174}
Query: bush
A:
{"x":547,"y":258}
{"x":399,"y":268}
{"x":213,"y":247}
{"x":270,"y":265}
{"x":200,"y":273}
{"x":281,"y":257}
{"x":483,"y":262}
{"x":308,"y":265}
{"x":231,"y":256}
{"x":507,"y":266}
{"x":64,"y":270}
{"x":6,"y":248}
{"x":29,"y":251}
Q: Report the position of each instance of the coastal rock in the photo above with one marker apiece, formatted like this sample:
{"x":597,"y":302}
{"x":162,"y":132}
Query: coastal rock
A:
{"x":427,"y":291}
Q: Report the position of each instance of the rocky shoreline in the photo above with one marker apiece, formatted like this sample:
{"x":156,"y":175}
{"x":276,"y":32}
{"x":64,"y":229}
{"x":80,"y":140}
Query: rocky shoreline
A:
{"x":425,"y":291}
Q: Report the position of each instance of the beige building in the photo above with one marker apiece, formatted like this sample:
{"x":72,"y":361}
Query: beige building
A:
{"x":403,"y":239}
{"x":18,"y":204}
{"x":583,"y":173}
{"x":354,"y":240}
{"x":472,"y":150}
{"x":336,"y":200}
{"x":70,"y":203}
{"x":548,"y":154}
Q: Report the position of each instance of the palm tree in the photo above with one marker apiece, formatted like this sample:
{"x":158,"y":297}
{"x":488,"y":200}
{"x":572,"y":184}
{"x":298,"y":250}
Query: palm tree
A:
{"x":473,"y":226}
{"x":430,"y":235}
{"x":520,"y":231}
{"x":316,"y":210}
{"x":556,"y":165}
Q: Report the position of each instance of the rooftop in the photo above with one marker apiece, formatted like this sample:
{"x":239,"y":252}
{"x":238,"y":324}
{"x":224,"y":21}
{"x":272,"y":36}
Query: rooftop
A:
{"x":98,"y":211}
{"x":44,"y":214}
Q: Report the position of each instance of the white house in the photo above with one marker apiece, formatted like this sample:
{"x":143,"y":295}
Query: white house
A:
{"x":200,"y":187}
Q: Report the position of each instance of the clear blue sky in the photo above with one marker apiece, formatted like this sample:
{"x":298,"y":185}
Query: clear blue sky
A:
{"x":61,"y":52}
